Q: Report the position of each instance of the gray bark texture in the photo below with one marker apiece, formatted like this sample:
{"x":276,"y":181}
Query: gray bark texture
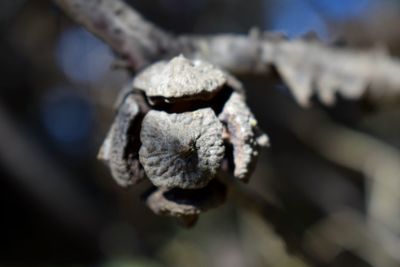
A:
{"x":307,"y":66}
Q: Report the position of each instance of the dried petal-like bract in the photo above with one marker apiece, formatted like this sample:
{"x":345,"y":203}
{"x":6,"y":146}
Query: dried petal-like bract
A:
{"x":116,"y":152}
{"x":180,"y":78}
{"x":182,"y":150}
{"x":244,"y":135}
{"x":186,"y":203}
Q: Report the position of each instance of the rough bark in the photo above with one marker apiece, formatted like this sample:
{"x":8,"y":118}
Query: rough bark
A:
{"x":307,"y":66}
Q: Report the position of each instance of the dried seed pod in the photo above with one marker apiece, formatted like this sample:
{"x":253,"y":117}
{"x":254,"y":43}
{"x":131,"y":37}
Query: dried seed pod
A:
{"x":243,"y":134}
{"x":182,"y":150}
{"x":180,"y":78}
{"x":120,"y":149}
{"x":186,"y":204}
{"x":182,"y":141}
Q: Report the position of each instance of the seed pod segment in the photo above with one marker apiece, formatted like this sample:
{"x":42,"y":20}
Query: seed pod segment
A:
{"x":117,"y":149}
{"x":244,"y":135}
{"x":180,"y":78}
{"x":181,"y":150}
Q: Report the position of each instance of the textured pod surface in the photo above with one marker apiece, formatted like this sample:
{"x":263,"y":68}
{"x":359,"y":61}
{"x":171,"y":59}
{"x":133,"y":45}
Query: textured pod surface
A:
{"x":186,"y":203}
{"x":180,"y":78}
{"x":182,"y":150}
{"x":244,"y":135}
{"x":116,"y":150}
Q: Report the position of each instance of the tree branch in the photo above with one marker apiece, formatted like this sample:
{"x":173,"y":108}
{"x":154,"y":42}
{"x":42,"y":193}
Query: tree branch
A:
{"x":307,"y":66}
{"x":122,"y":28}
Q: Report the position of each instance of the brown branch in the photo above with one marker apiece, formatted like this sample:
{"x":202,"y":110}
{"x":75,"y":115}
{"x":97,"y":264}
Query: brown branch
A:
{"x":308,"y":67}
{"x":122,"y":28}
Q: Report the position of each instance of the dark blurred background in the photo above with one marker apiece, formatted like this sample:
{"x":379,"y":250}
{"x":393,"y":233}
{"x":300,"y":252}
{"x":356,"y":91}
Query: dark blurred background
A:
{"x":333,"y":168}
